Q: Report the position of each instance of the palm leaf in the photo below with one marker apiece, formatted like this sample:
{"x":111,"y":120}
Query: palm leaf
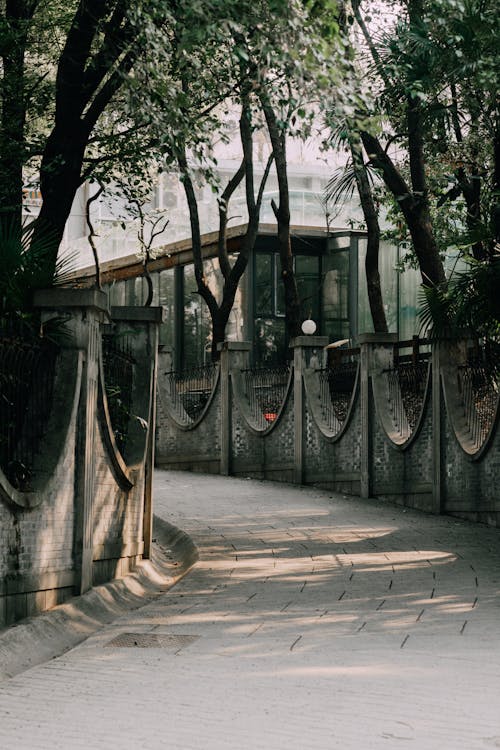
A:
{"x":342,"y":184}
{"x":469,"y":301}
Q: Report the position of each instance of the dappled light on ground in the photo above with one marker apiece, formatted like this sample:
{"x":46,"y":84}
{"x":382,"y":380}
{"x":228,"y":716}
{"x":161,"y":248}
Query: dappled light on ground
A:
{"x":310,"y":621}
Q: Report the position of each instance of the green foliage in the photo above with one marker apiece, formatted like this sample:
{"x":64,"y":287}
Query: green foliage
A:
{"x":25,"y":267}
{"x":468,"y":301}
{"x":428,"y":73}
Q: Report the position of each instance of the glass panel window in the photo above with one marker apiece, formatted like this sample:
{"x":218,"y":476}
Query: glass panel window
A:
{"x":197,"y":326}
{"x":166,"y":298}
{"x":409,"y":286}
{"x":308,"y":278}
{"x":270,"y":342}
{"x":117,"y":293}
{"x":279,"y":287}
{"x":264,"y":292}
{"x":336,"y":294}
{"x":365,"y":323}
{"x":389,"y":281}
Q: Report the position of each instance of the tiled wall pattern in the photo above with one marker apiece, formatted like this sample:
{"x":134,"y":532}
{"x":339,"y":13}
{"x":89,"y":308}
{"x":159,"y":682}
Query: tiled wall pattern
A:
{"x":41,"y":532}
{"x":429,"y":472}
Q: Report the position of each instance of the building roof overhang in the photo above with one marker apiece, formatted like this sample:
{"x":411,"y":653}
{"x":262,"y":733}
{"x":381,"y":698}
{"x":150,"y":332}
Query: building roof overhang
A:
{"x":180,"y":253}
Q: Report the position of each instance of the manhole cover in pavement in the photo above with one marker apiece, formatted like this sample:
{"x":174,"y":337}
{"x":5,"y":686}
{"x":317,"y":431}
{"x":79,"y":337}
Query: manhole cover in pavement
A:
{"x":152,"y":640}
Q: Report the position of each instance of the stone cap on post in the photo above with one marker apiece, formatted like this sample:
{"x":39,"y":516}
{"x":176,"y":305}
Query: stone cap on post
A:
{"x":315,"y":342}
{"x":234,"y":354}
{"x":377,"y":351}
{"x":59,"y":297}
{"x":82,"y":311}
{"x":304,"y":348}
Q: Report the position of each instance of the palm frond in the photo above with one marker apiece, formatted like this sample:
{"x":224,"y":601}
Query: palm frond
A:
{"x":26,"y":266}
{"x":342,"y":184}
{"x":469,"y":301}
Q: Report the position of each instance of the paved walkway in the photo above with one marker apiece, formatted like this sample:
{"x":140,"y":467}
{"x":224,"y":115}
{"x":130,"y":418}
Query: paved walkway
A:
{"x":311,"y":621}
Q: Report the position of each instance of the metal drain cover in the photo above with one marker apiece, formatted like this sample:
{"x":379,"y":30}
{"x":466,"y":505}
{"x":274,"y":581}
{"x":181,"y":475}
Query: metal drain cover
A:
{"x":172,"y":641}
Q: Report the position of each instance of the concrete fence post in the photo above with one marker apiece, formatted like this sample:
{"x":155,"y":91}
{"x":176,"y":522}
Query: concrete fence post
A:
{"x":83,"y":310}
{"x":448,"y":355}
{"x":151,"y":317}
{"x":437,"y":352}
{"x":376,"y":354}
{"x":233,"y":356}
{"x":307,"y":352}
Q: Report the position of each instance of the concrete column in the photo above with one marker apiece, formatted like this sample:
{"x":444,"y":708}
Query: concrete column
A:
{"x":307,"y":352}
{"x":233,"y":356}
{"x":376,"y":353}
{"x":437,"y":414}
{"x":447,"y":355}
{"x":150,"y":319}
{"x":84,"y":310}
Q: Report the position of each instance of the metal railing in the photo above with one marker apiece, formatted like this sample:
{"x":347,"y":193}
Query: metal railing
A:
{"x":266,"y":390}
{"x":118,"y":364}
{"x":27,"y":372}
{"x":478,"y":382}
{"x":407,"y":381}
{"x":191,"y":389}
{"x":336,"y":386}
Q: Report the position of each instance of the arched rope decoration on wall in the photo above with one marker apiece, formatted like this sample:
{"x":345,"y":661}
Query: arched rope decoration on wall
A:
{"x":472,"y":395}
{"x":189,"y":393}
{"x":261,"y":395}
{"x":400,"y":391}
{"x":331,"y":392}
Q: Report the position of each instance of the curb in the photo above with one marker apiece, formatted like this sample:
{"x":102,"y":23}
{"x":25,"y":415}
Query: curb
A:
{"x":45,"y":636}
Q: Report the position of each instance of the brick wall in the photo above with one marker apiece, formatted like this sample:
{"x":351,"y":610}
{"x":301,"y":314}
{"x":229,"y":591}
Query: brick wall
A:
{"x":426,"y":469}
{"x":65,"y":534}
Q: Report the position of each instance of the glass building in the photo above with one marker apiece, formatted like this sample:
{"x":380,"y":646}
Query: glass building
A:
{"x":330,"y":275}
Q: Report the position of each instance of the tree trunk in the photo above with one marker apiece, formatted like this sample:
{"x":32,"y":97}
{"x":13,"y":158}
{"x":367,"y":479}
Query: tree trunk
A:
{"x":282,"y":213}
{"x":413,"y":200}
{"x":219,"y":314}
{"x":88,"y":75}
{"x":221,"y":317}
{"x":18,"y":14}
{"x":373,"y":241}
{"x":415,"y":210}
{"x":60,"y":177}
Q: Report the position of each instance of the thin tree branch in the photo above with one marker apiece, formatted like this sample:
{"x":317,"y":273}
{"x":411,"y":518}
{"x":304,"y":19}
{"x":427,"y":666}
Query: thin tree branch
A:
{"x":223,"y":202}
{"x":92,"y":234}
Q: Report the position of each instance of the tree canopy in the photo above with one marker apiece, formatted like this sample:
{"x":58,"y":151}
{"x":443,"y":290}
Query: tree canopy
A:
{"x":429,"y":121}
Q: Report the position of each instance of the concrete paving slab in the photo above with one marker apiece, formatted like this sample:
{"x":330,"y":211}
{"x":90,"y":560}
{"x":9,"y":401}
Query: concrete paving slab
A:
{"x":311,"y":620}
{"x":37,"y":639}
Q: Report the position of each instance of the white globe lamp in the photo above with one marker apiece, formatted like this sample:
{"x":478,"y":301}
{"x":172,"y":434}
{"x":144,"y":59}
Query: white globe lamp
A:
{"x":309,"y":327}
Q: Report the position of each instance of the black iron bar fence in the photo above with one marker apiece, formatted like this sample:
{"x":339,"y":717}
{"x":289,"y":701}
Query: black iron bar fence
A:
{"x":118,"y":365}
{"x":266,"y":390}
{"x":478,"y":381}
{"x":407,"y":380}
{"x":336,"y":384}
{"x":191,"y":389}
{"x":27,"y":373}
